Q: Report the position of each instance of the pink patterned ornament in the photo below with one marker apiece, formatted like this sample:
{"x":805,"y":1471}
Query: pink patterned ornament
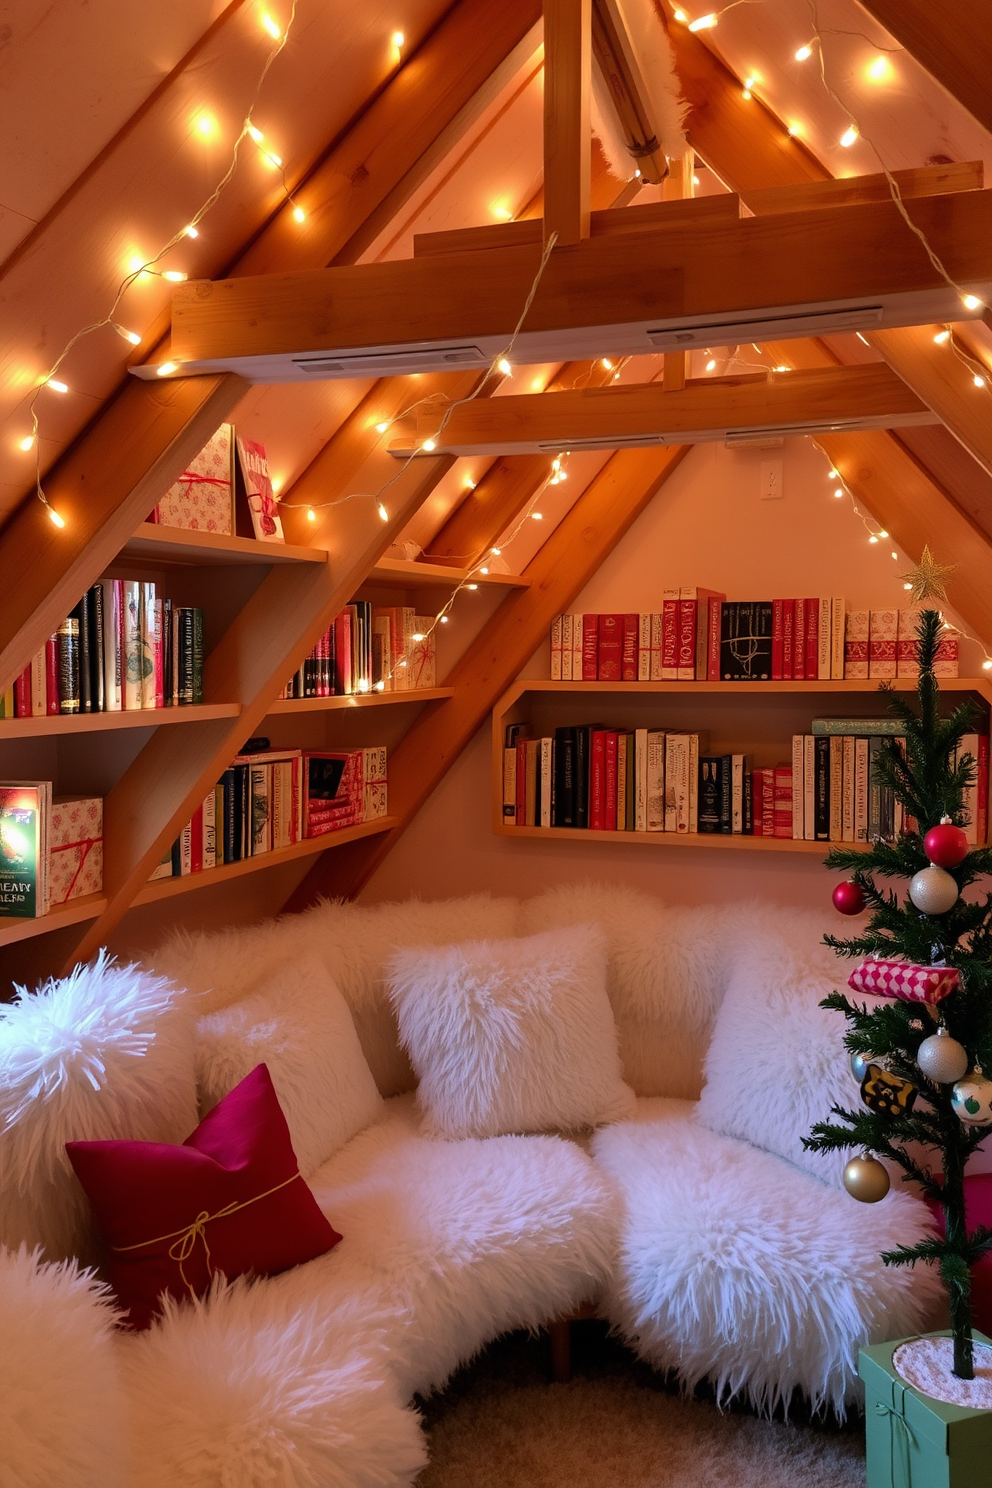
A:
{"x":904,"y":980}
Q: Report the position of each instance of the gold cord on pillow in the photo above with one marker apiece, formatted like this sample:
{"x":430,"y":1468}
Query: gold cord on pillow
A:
{"x":185,"y":1239}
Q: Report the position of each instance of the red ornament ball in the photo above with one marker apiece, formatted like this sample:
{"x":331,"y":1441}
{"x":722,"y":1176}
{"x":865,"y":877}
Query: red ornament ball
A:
{"x":849,"y":898}
{"x":946,"y":845}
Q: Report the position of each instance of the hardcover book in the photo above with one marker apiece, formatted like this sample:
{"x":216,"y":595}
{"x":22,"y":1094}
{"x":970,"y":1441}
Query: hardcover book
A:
{"x":746,"y":641}
{"x":22,"y":849}
{"x":255,"y":481}
{"x":856,"y":630}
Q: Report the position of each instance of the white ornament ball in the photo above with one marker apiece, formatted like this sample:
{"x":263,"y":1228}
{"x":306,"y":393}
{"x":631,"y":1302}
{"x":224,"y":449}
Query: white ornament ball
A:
{"x":941,"y":1058}
{"x":972,"y":1099}
{"x":933,"y":891}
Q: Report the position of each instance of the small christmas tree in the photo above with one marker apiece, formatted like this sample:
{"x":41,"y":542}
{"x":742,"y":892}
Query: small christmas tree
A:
{"x":920,"y":1062}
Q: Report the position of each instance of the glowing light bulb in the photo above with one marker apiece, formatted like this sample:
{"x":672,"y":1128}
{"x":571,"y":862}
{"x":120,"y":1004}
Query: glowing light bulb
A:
{"x":174,"y":276}
{"x":907,"y":586}
{"x":54,"y":517}
{"x":131,"y":336}
{"x":882,"y":532}
{"x":418,"y":637}
{"x":942,"y":336}
{"x":190,"y":231}
{"x":397,"y":39}
{"x":383,"y":513}
{"x":978,"y":380}
{"x":428,"y":445}
{"x":380,"y":686}
{"x":311,"y":514}
{"x":794,"y":129}
{"x":986,"y":665}
{"x":500,"y":210}
{"x":849,"y":136}
{"x":271,"y":158}
{"x":894,"y":554}
{"x":711,"y":365}
{"x":469,"y":484}
{"x":680,"y":15}
{"x":483,"y":570}
{"x":746,"y":93}
{"x":471,"y":586}
{"x":206,"y":124}
{"x":971,"y":302}
{"x":833,"y":474}
{"x":504,"y":367}
{"x":705,"y":23}
{"x":381,"y":428}
{"x":695,"y":180}
{"x":270,"y":25}
{"x":27,"y":443}
{"x":164,"y":368}
{"x":495,"y":552}
{"x":363,"y":684}
{"x":444,"y":619}
{"x":607,"y":364}
{"x":879,"y":70}
{"x":299,"y":215}
{"x":749,"y":82}
{"x":537,"y":516}
{"x":782,"y":369}
{"x":56,"y":386}
{"x":839,"y":492}
{"x":803,"y":53}
{"x":256,"y":134}
{"x":873,"y":538}
{"x":277,"y":482}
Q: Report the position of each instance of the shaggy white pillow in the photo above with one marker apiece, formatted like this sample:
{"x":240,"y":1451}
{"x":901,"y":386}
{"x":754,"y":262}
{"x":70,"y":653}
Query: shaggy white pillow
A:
{"x":297,"y":1024}
{"x":511,"y":1036}
{"x":61,"y":1415}
{"x":105,"y":1053}
{"x":777,"y":1062}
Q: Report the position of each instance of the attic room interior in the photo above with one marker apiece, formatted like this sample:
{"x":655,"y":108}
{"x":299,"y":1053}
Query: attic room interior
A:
{"x":375,"y":1109}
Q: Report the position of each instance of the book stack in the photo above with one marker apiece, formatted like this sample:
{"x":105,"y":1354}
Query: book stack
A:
{"x":51,"y":849}
{"x":883,"y":644}
{"x":270,"y":799}
{"x":121,"y":648}
{"x":698,"y":635}
{"x":369,"y":650}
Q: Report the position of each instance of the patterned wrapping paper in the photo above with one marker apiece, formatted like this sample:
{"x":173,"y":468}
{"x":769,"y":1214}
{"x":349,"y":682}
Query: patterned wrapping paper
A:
{"x":202,"y":499}
{"x":75,"y":848}
{"x":903,"y":980}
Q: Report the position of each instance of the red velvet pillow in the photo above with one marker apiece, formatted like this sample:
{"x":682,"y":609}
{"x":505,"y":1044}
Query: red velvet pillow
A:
{"x":230,"y":1199}
{"x":977,"y":1211}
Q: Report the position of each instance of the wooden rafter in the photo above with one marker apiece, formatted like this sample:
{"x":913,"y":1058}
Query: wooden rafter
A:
{"x":575,"y":550}
{"x":953,"y":43}
{"x":567,"y":144}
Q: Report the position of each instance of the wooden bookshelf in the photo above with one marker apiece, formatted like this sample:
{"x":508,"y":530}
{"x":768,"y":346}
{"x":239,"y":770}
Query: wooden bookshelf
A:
{"x":90,"y":723}
{"x":360,"y":700}
{"x":410,"y":574}
{"x":676,"y":839}
{"x":75,"y":912}
{"x":155,"y":544}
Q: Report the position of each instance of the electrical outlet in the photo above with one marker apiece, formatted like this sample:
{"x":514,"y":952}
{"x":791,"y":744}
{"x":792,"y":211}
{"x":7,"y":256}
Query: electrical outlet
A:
{"x":771,"y":487}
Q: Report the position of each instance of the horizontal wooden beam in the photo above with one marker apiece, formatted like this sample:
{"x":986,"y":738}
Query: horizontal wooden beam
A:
{"x":639,"y":293}
{"x":953,"y":43}
{"x":708,"y":408}
{"x":558,"y":572}
{"x":842,"y":191}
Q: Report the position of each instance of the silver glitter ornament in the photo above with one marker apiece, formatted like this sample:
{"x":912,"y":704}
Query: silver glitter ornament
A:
{"x":933,"y":891}
{"x":941,"y":1058}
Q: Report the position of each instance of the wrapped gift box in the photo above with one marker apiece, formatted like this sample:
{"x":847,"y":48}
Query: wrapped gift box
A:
{"x":202,"y":499}
{"x":75,"y":848}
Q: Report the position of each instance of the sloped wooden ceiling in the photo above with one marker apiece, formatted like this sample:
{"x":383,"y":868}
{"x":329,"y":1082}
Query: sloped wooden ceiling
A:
{"x":380,"y":141}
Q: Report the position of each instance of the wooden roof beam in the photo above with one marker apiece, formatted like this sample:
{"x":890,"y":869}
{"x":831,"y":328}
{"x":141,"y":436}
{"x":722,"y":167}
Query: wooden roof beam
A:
{"x":567,"y":138}
{"x":953,"y":43}
{"x":644,"y":292}
{"x":707,"y":408}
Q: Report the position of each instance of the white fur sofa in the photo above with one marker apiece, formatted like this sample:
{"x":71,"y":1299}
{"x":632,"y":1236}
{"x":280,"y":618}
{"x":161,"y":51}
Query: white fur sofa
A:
{"x":700,"y":1228}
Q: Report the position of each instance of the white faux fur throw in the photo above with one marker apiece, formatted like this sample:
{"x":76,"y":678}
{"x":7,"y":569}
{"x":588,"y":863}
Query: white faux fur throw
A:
{"x":61,"y":1406}
{"x":511,"y":1035}
{"x":740,"y":1268}
{"x":653,"y":53}
{"x":106,"y":1052}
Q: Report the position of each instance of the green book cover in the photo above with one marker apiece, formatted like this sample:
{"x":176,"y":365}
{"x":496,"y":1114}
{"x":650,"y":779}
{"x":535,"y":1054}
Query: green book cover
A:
{"x":19,"y":822}
{"x":857,"y":726}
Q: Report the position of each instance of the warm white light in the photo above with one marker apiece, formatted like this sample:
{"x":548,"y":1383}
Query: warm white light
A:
{"x":986,"y":665}
{"x":794,"y":129}
{"x":57,"y":386}
{"x":271,"y":27}
{"x":54,"y":517}
{"x":277,"y":482}
{"x":882,"y":532}
{"x":381,"y":428}
{"x":637,"y":175}
{"x":695,"y":180}
{"x":444,"y":619}
{"x":397,"y":39}
{"x":26,"y":443}
{"x":299,"y":215}
{"x":781,"y":369}
{"x":363,"y":684}
{"x":469,"y":484}
{"x":501,"y":211}
{"x":704,"y":23}
{"x":256,"y":134}
{"x":879,"y":70}
{"x":164,"y":368}
{"x":383,"y":513}
{"x":537,"y":516}
{"x":273,"y":159}
{"x":131,"y":336}
{"x":680,"y":15}
{"x":496,"y":551}
{"x":206,"y":124}
{"x":136,"y":264}
{"x":504,"y":367}
{"x":839,"y":492}
{"x":483,"y":570}
{"x":803,"y":53}
{"x":471,"y":586}
{"x":849,"y":136}
{"x":873,"y":538}
{"x":607,"y":364}
{"x":418,"y":637}
{"x":311,"y":514}
{"x":978,"y":380}
{"x":174,"y":276}
{"x":380,"y":686}
{"x":428,"y":445}
{"x":907,"y":586}
{"x":941,"y":337}
{"x":711,"y":365}
{"x":971,"y":302}
{"x":537,"y":385}
{"x":894,"y":553}
{"x":190,"y":231}
{"x":745,"y":92}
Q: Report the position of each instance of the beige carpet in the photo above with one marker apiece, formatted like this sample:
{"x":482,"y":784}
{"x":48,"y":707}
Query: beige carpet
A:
{"x":501,"y":1424}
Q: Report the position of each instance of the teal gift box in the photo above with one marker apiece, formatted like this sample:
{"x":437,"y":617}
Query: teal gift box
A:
{"x":914,"y":1441}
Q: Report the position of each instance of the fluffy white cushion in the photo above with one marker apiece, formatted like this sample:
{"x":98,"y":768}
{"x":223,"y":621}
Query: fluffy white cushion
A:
{"x":354,"y":942}
{"x":256,"y":1386}
{"x":511,"y":1036}
{"x":738,"y":1267}
{"x":297,"y":1024}
{"x":777,"y":1062}
{"x":107,"y":1052}
{"x":60,"y":1396}
{"x":666,"y":974}
{"x":456,"y":1242}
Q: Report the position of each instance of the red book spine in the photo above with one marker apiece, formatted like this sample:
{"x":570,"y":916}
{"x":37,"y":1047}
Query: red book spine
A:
{"x":52,"y":674}
{"x":982,"y":814}
{"x":521,"y":782}
{"x":22,"y":694}
{"x":590,"y":648}
{"x":788,"y":637}
{"x":811,"y":666}
{"x":610,"y":791}
{"x":597,"y":781}
{"x":342,"y":650}
{"x":782,"y":801}
{"x":686,"y":659}
{"x":158,"y":657}
{"x":631,"y":624}
{"x":196,"y":840}
{"x":715,"y":628}
{"x":799,"y":642}
{"x":610,"y":664}
{"x":670,"y":639}
{"x":776,"y":640}
{"x":319,"y":826}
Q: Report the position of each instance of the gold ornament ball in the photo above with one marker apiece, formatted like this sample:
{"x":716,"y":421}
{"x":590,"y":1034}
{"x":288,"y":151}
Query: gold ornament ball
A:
{"x":866,"y":1179}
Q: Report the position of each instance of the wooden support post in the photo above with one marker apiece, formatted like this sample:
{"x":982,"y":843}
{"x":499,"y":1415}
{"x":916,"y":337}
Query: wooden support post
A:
{"x":578,"y":546}
{"x":677,"y":187}
{"x":567,"y":138}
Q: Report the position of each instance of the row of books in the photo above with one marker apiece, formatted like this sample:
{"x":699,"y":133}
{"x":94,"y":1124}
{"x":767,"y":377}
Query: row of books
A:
{"x":272,"y":798}
{"x":698,"y":635}
{"x":369,"y":649}
{"x":652,"y":780}
{"x":122,"y":647}
{"x":51,"y":848}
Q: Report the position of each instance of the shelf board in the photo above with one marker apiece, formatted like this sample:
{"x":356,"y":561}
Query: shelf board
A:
{"x":178,"y":545}
{"x":88,"y":723}
{"x":409,"y":573}
{"x":86,"y":907}
{"x":980,"y":685}
{"x":167,"y":888}
{"x":359,"y":700}
{"x":735,"y":843}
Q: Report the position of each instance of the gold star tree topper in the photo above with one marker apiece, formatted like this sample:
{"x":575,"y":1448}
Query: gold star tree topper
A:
{"x":927,"y":578}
